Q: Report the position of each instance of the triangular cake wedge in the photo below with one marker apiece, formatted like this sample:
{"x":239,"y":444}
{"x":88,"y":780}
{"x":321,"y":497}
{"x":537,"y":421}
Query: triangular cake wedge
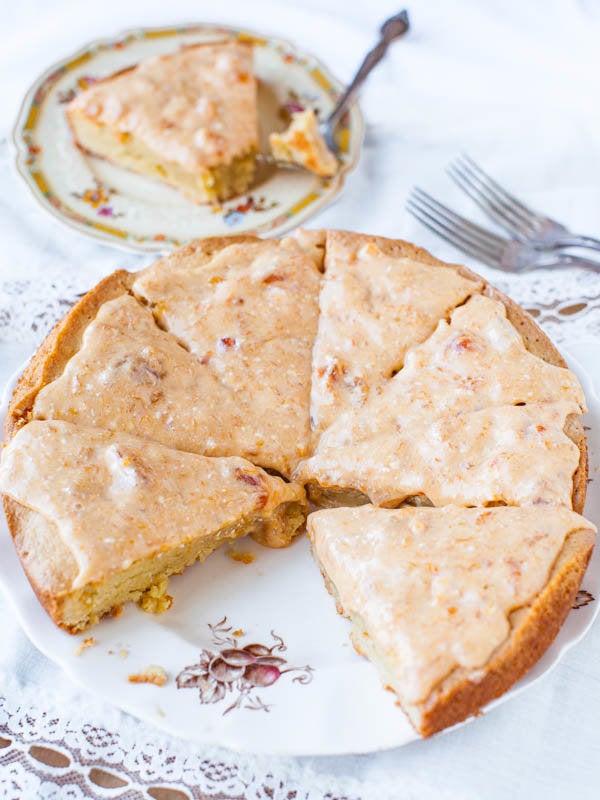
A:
{"x":379,"y":297}
{"x":452,"y":605}
{"x":101,"y":518}
{"x":248,"y":312}
{"x":188,"y":118}
{"x":474,"y":459}
{"x":477,"y":360}
{"x":109,"y":364}
{"x":130,"y":376}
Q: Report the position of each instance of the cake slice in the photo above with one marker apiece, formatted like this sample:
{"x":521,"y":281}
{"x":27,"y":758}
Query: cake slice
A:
{"x":248,"y":311}
{"x":379,"y":297}
{"x":101,"y":518}
{"x":452,"y":605}
{"x":188,"y":118}
{"x":127,"y":375}
{"x":478,"y":458}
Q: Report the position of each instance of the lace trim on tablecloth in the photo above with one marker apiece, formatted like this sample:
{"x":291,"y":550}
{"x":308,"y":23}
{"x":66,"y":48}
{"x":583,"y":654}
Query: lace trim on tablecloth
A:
{"x":55,"y":757}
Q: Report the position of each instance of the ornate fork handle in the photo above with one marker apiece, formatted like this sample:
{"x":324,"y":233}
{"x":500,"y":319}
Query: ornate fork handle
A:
{"x":567,"y":240}
{"x":392,"y":29}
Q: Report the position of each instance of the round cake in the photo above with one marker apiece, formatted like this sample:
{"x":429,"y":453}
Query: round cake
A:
{"x":210,"y":395}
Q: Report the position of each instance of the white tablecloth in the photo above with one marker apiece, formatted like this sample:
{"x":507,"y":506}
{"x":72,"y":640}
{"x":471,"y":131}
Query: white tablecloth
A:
{"x":514,"y":84}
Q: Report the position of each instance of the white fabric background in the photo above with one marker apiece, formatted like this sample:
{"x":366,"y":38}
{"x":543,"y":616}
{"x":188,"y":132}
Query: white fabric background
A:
{"x":514,"y":84}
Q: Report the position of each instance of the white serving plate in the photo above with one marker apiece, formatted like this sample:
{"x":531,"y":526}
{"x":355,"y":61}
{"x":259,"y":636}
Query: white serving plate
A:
{"x":131,"y":211}
{"x":321,"y":699}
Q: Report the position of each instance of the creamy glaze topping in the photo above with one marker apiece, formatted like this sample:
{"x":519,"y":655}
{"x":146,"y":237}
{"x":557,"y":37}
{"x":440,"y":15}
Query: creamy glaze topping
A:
{"x":195,"y":107}
{"x":302,"y":143}
{"x":249,"y":314}
{"x":434,"y":587}
{"x":476,"y":361}
{"x":116,"y":498}
{"x":373,"y":307}
{"x":518,"y":455}
{"x":131,"y":376}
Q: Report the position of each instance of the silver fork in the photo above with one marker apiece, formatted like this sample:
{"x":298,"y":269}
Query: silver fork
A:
{"x":510,"y":213}
{"x":496,"y":251}
{"x":392,"y":29}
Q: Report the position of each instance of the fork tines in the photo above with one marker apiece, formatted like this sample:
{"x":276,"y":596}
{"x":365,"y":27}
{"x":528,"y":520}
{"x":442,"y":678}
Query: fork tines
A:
{"x":457,"y":230}
{"x":493,"y":200}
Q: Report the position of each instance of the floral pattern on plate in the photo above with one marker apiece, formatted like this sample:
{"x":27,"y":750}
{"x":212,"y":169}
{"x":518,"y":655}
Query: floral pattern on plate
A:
{"x":238,"y":671}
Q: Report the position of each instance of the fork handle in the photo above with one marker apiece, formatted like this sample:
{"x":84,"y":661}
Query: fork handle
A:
{"x":392,"y":29}
{"x":570,"y":261}
{"x":573,"y":240}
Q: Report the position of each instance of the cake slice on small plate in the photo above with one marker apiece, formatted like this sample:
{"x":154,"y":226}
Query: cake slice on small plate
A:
{"x":188,"y":118}
{"x":452,"y":605}
{"x":102,"y":518}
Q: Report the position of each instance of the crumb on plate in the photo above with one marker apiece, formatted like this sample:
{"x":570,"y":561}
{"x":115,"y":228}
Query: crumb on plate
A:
{"x":152,"y":674}
{"x":244,"y":558}
{"x":85,"y":645}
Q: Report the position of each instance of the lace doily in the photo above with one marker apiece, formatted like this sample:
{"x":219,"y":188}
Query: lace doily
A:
{"x":44,"y":755}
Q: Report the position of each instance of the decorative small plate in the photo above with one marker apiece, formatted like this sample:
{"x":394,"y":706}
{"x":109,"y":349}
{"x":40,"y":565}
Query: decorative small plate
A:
{"x":257,"y":657}
{"x":128,"y":210}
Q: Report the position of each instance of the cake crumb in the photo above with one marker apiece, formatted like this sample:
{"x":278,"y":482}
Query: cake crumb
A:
{"x":85,"y":645}
{"x":239,"y":632}
{"x":155,"y":600}
{"x":152,"y":674}
{"x":123,"y":653}
{"x":159,"y":711}
{"x":244,"y":558}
